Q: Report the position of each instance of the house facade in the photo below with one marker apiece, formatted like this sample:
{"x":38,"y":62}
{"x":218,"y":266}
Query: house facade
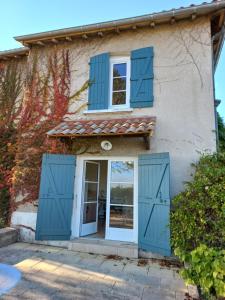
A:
{"x":148,"y":113}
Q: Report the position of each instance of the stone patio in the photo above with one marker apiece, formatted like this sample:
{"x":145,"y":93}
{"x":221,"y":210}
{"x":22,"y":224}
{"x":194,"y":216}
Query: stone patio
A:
{"x":56,"y":273}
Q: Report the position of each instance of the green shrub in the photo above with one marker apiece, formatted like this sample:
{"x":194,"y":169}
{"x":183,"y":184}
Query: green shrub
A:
{"x":198,"y":215}
{"x":205,"y":268}
{"x":221,"y":132}
{"x":198,"y":226}
{"x":4,"y":205}
{"x":2,"y":223}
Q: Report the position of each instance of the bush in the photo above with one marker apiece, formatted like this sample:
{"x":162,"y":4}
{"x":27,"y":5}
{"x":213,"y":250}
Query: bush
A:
{"x":221,"y":132}
{"x":206,"y":268}
{"x":198,"y":215}
{"x":2,"y":223}
{"x":4,"y":205}
{"x":198,"y":226}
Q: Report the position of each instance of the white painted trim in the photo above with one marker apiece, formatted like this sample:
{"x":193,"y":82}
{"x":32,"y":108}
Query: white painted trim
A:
{"x":111,"y":110}
{"x":76,"y":215}
{"x":117,"y":60}
{"x":89,"y":228}
{"x":123,"y":234}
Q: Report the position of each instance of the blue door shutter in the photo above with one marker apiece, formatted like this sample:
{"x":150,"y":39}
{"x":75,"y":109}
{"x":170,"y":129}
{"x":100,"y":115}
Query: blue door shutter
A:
{"x":98,"y":96}
{"x":141,"y":94}
{"x":55,"y":197}
{"x":154,"y":203}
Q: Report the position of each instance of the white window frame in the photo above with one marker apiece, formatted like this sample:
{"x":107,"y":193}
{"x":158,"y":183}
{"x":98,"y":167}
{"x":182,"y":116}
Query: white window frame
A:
{"x":119,"y":60}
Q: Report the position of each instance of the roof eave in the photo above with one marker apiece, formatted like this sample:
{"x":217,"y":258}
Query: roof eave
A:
{"x":162,"y":17}
{"x":14,"y":53}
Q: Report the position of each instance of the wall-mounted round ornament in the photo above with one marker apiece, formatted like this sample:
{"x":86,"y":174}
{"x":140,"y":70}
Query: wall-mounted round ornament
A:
{"x":106,"y":145}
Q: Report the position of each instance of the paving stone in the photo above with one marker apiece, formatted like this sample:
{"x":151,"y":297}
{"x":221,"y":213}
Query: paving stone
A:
{"x":56,"y":273}
{"x":113,"y":295}
{"x":171,"y":284}
{"x":145,"y":280}
{"x":47,"y":265}
{"x":111,"y":265}
{"x":78,"y":293}
{"x":127,"y":289}
{"x":16,"y":246}
{"x":36,"y":294}
{"x":119,"y":276}
{"x":152,"y":294}
{"x":133,"y":268}
{"x":28,"y":263}
{"x":9,"y":297}
{"x":131,"y":298}
{"x":41,"y":248}
{"x":156,"y":271}
{"x":71,"y":260}
{"x":71,"y":274}
{"x":97,"y":286}
{"x":180,"y":296}
{"x":92,"y":264}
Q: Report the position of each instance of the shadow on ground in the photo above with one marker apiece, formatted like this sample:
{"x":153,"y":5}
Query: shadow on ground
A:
{"x":56,"y":273}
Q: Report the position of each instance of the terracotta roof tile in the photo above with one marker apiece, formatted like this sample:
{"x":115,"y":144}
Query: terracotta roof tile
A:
{"x":122,"y":126}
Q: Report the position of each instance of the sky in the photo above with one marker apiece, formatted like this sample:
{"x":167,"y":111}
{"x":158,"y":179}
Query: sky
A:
{"x":20,"y":17}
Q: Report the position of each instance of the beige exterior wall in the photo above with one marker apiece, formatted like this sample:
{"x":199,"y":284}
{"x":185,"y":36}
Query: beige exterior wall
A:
{"x":183,"y":92}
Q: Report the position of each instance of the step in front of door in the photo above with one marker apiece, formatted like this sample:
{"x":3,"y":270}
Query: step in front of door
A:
{"x":104,"y":247}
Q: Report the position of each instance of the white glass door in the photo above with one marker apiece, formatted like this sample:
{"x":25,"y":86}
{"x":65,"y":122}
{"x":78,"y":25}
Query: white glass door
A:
{"x":121,"y":201}
{"x":90,"y":198}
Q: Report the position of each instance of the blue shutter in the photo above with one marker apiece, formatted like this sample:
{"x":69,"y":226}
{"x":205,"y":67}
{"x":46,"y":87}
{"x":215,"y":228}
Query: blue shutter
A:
{"x":98,"y":96}
{"x":56,"y":197}
{"x":154,"y":203}
{"x":142,"y":78}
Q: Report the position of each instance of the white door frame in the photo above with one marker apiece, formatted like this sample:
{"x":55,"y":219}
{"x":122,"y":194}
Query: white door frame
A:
{"x":122,"y":234}
{"x":89,"y":228}
{"x":76,"y":215}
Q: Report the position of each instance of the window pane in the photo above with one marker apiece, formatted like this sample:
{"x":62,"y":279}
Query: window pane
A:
{"x":89,"y":214}
{"x":90,"y":193}
{"x":119,"y":84}
{"x":119,"y":70}
{"x":121,"y":194}
{"x":121,"y":216}
{"x":91,"y":172}
{"x":119,"y":98}
{"x":122,"y":171}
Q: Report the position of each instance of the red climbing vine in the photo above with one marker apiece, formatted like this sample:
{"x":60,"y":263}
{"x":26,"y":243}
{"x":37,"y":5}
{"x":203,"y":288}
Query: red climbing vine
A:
{"x":10,"y":109}
{"x":32,"y":101}
{"x":45,"y":103}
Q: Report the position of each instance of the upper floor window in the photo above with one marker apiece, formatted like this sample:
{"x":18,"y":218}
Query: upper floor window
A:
{"x":119,"y":82}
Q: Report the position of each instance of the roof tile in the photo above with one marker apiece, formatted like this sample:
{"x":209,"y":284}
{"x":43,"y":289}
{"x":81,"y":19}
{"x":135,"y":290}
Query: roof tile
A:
{"x":122,"y":126}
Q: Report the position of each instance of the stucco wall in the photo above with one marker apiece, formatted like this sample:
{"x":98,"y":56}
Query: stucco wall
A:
{"x":183,"y":92}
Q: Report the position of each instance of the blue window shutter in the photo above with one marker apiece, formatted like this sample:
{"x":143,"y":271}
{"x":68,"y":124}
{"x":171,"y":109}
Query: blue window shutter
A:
{"x":154,"y":203}
{"x":56,"y":197}
{"x":98,"y":95}
{"x":141,"y":94}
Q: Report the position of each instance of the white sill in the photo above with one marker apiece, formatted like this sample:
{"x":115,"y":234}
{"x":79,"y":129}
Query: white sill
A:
{"x":110,"y":110}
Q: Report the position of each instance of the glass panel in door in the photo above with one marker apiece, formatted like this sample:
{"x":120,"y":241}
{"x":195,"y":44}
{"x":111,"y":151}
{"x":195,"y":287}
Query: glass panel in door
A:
{"x":90,"y":198}
{"x":121,"y":201}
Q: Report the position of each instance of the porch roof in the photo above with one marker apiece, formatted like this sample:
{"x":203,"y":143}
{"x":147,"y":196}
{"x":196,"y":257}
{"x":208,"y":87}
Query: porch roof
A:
{"x":138,"y":126}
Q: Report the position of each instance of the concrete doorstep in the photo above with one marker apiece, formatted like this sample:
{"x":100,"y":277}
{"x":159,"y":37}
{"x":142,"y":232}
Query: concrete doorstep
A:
{"x":104,"y":247}
{"x":8,"y":236}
